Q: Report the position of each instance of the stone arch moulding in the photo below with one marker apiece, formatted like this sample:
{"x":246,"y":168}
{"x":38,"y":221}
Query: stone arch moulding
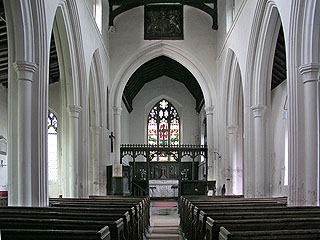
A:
{"x":233,"y":165}
{"x":69,"y":41}
{"x":97,"y":78}
{"x":311,"y":33}
{"x":265,"y":48}
{"x":169,"y":50}
{"x":262,"y":44}
{"x":67,"y":32}
{"x":232,"y":73}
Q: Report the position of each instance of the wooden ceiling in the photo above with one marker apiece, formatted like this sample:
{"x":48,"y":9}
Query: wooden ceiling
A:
{"x":155,"y":68}
{"x":279,"y":71}
{"x":54,"y":73}
{"x":118,"y":7}
{"x":3,"y":48}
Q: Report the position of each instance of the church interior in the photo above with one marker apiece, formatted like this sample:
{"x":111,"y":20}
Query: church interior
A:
{"x":140,"y":100}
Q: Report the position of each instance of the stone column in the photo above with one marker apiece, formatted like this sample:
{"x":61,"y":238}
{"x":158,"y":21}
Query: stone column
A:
{"x":25,"y":72}
{"x":259,"y":148}
{"x":117,"y":183}
{"x":74,"y":114}
{"x":231,"y":184}
{"x":95,"y":156}
{"x":117,"y":133}
{"x":210,"y":161}
{"x":310,"y":74}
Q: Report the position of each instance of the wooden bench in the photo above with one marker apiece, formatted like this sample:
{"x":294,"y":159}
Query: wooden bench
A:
{"x":195,"y":218}
{"x":141,"y":206}
{"x":62,"y":214}
{"x":58,"y":224}
{"x":213,"y":226}
{"x":300,"y":234}
{"x":97,"y":207}
{"x":247,"y":213}
{"x":40,"y":234}
{"x":194,"y":228}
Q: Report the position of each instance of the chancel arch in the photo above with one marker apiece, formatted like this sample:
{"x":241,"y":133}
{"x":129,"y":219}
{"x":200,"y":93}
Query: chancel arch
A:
{"x":162,"y":102}
{"x":188,"y":61}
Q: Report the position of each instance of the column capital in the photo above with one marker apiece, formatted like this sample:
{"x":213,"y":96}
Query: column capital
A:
{"x":232,"y":129}
{"x":310,"y":72}
{"x":209,"y":110}
{"x":117,"y":110}
{"x":95,"y":129}
{"x":74,"y":111}
{"x":258,"y":110}
{"x":25,"y":70}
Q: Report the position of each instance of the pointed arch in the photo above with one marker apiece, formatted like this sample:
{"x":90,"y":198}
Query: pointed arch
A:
{"x":66,"y":28}
{"x":69,"y":46}
{"x":262,"y":45}
{"x":233,"y":167}
{"x":233,"y":82}
{"x":263,"y":60}
{"x":95,"y":124}
{"x":171,"y":51}
{"x":96,"y":75}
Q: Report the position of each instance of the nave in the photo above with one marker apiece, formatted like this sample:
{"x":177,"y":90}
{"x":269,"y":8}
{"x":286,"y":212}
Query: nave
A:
{"x":130,"y":218}
{"x":164,"y":221}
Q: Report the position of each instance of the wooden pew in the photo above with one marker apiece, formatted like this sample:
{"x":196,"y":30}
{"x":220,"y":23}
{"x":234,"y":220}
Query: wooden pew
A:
{"x":144,"y":200}
{"x":65,"y":212}
{"x":186,"y":204}
{"x":247,"y":213}
{"x":48,"y":234}
{"x":142,"y":210}
{"x":140,"y":223}
{"x":197,"y":215}
{"x":267,"y":224}
{"x":58,"y":224}
{"x":49,"y":213}
{"x":300,"y":234}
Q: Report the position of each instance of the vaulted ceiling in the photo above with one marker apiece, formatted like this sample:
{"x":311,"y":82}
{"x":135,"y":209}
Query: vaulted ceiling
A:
{"x":155,"y":68}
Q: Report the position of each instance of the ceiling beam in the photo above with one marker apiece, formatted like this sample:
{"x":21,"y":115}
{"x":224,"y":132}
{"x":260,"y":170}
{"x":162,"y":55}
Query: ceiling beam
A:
{"x":142,"y":2}
{"x":126,"y":5}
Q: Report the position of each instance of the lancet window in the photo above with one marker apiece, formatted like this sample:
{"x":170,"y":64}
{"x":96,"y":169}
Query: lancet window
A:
{"x":163,"y":128}
{"x":52,"y":147}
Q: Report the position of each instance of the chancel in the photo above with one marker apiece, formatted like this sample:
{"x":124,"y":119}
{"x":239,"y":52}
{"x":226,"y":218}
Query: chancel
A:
{"x":181,"y":100}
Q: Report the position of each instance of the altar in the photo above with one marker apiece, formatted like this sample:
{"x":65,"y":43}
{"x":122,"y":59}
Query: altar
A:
{"x":163,"y":188}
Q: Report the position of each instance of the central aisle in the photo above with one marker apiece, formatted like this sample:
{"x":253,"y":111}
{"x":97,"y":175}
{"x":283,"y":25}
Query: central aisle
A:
{"x":164,"y":221}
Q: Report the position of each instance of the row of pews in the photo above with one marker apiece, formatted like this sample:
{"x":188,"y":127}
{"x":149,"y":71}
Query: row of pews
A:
{"x":238,"y":218}
{"x":97,"y":217}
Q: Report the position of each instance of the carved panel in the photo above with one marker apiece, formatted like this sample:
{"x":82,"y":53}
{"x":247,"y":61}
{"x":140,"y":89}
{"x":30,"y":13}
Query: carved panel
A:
{"x":163,"y":22}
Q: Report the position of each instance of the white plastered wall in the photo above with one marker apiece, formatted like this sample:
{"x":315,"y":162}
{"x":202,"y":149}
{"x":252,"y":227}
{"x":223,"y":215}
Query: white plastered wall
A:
{"x":127,"y":40}
{"x":278,"y":147}
{"x":178,"y":95}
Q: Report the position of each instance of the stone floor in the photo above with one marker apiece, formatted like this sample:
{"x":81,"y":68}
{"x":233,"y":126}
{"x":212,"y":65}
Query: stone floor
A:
{"x":164,"y":223}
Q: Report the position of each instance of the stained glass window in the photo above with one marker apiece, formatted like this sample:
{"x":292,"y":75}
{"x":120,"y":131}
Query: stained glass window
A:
{"x":163,"y":127}
{"x":52,"y":148}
